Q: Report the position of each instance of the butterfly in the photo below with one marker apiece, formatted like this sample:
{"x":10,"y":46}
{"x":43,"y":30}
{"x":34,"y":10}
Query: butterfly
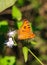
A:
{"x":25,"y":31}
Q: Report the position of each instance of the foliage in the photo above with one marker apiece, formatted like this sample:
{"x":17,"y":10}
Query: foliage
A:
{"x":34,"y":50}
{"x":3,"y":26}
{"x":4,"y":4}
{"x":16,"y":14}
{"x":7,"y":60}
{"x":25,"y":52}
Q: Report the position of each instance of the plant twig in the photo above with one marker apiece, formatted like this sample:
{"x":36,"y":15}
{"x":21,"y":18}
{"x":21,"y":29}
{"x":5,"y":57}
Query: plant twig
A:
{"x":35,"y":56}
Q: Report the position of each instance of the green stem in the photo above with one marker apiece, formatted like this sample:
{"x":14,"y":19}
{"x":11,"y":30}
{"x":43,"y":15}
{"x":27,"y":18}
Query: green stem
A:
{"x":35,"y":56}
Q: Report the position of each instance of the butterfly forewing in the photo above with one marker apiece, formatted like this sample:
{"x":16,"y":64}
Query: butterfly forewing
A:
{"x":25,"y":31}
{"x":25,"y":27}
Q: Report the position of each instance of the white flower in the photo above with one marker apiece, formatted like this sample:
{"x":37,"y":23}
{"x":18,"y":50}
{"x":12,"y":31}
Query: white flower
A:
{"x":12,"y":33}
{"x":10,"y":43}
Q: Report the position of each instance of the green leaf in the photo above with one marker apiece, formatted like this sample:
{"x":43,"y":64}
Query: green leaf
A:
{"x":3,"y":26}
{"x":33,"y":42}
{"x":4,"y":22}
{"x":25,"y":53}
{"x":4,"y":4}
{"x":16,"y":14}
{"x":7,"y":60}
{"x":19,"y":24}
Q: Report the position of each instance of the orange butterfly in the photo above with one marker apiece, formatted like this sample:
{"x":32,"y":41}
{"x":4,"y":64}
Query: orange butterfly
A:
{"x":25,"y":31}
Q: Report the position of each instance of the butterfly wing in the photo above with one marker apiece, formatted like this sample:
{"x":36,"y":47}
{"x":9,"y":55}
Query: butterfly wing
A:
{"x":25,"y":31}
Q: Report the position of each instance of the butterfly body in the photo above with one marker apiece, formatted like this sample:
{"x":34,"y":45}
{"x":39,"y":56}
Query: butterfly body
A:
{"x":25,"y":31}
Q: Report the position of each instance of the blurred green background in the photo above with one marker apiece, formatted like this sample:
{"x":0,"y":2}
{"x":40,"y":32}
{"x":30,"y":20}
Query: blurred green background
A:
{"x":12,"y":13}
